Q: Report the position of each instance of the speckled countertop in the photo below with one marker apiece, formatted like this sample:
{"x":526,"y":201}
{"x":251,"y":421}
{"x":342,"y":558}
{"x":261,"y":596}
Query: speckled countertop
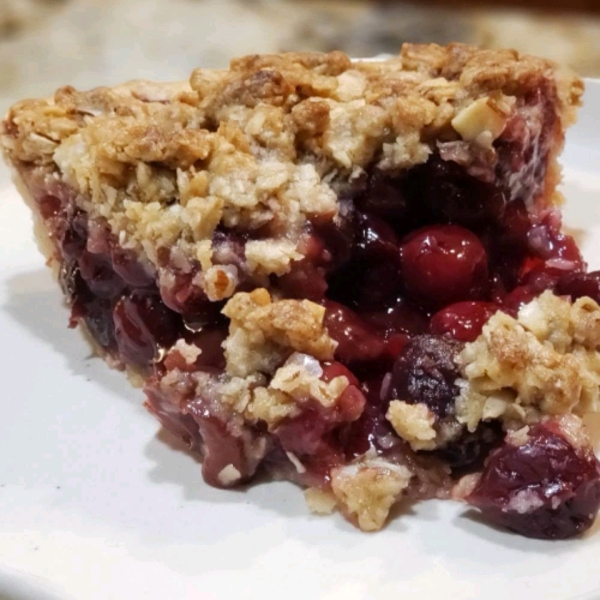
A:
{"x":48,"y":43}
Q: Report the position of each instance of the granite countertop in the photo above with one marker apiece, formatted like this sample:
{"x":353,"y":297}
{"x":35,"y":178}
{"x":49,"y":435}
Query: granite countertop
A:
{"x":48,"y":43}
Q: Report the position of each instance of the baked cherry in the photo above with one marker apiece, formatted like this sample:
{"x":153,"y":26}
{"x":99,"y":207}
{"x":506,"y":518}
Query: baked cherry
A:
{"x":337,"y":237}
{"x":144,"y":325}
{"x":126,"y":265}
{"x":307,"y":277}
{"x":400,"y":317}
{"x":304,"y":280}
{"x":542,"y":487}
{"x":545,"y":241}
{"x":578,"y":285}
{"x":371,"y":279}
{"x":426,"y":372}
{"x":358,"y":342}
{"x":372,"y":430}
{"x":375,"y":239}
{"x":184,"y":296}
{"x":50,"y":206}
{"x":97,"y":270}
{"x":75,"y":236}
{"x":95,"y":312}
{"x":442,"y":264}
{"x":224,"y":448}
{"x":209,"y":340}
{"x":315,"y":436}
{"x":519,"y":297}
{"x":463,"y":320}
{"x":469,"y":451}
{"x":384,"y":197}
{"x":454,"y":196}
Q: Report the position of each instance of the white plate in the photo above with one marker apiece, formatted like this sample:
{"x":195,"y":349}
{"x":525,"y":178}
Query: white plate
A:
{"x":95,"y":504}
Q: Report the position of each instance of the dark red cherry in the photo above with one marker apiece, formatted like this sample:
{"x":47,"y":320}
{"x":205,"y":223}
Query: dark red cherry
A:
{"x":50,"y":206}
{"x":578,"y":285}
{"x":75,"y":236}
{"x":224,"y":447}
{"x":186,"y":297}
{"x":384,"y":197}
{"x":95,"y":312}
{"x":463,"y":320}
{"x":400,"y":317}
{"x":98,"y":273}
{"x":307,"y":277}
{"x":375,"y":239}
{"x":454,"y":196}
{"x":426,"y":372}
{"x":372,"y":430}
{"x":126,"y":264}
{"x":144,"y":325}
{"x":519,"y":297}
{"x":468,"y":452}
{"x":209,"y":340}
{"x":545,"y":241}
{"x":543,"y":488}
{"x":443,"y":264}
{"x":358,"y":341}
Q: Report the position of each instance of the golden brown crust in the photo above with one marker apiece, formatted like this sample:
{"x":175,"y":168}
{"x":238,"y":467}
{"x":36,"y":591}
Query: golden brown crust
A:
{"x":260,"y":145}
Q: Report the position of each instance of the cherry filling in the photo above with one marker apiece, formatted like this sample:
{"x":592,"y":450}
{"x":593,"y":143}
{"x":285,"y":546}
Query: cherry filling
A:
{"x":443,"y":264}
{"x":412,"y":268}
{"x":543,"y":488}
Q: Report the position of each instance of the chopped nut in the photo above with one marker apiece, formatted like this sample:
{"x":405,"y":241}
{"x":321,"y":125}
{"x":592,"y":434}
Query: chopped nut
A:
{"x":480,"y":122}
{"x":229,"y":475}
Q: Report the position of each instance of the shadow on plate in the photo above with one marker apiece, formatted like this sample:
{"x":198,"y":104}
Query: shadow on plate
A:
{"x":175,"y":464}
{"x":21,"y":586}
{"x":472,"y":522}
{"x":35,"y":302}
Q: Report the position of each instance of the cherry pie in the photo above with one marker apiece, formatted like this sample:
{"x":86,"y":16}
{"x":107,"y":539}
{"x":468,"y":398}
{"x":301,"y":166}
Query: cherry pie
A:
{"x":347,"y":274}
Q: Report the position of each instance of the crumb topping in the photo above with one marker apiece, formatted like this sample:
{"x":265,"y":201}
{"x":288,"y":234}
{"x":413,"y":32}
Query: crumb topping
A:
{"x":414,"y":423}
{"x":264,"y":333}
{"x":320,"y":502}
{"x":263,"y":145}
{"x":296,"y":382}
{"x":544,"y":362}
{"x":299,"y":378}
{"x":366,"y":491}
{"x":189,"y":352}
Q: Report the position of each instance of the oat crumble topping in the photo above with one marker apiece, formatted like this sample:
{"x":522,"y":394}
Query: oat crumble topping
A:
{"x":263,"y":144}
{"x":545,"y":361}
{"x":367,"y":490}
{"x":414,"y":423}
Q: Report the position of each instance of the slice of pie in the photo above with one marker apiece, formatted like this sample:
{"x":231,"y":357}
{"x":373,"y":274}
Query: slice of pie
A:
{"x":347,"y":274}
